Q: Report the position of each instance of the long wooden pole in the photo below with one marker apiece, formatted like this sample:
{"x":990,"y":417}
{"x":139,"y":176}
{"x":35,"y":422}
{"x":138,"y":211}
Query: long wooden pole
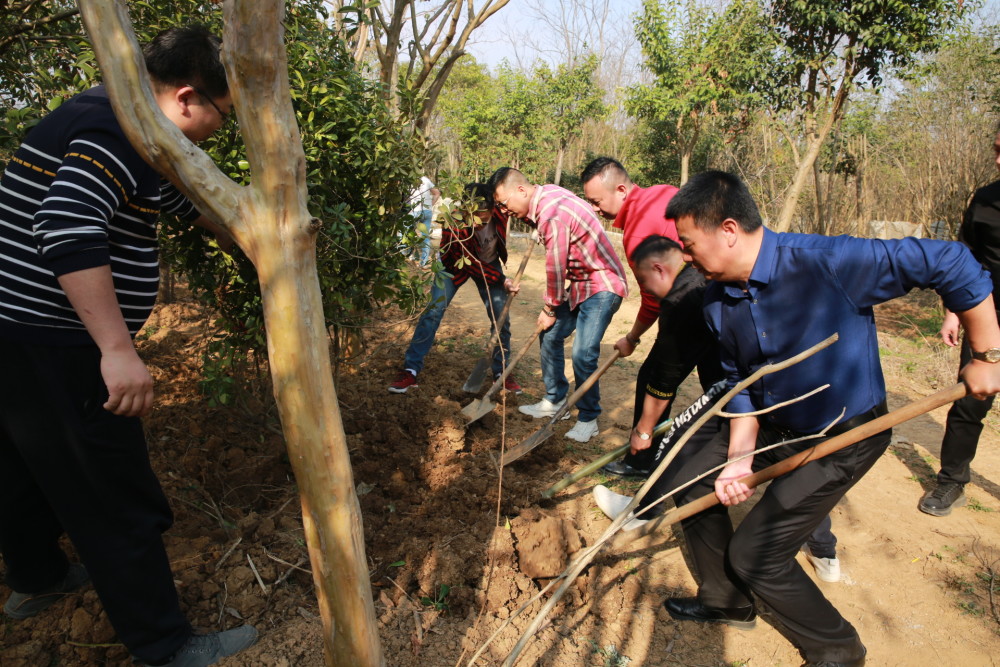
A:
{"x":825,"y":448}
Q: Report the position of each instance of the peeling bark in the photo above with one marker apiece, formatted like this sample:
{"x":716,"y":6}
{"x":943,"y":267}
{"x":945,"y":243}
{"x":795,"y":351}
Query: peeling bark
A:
{"x":270,"y":220}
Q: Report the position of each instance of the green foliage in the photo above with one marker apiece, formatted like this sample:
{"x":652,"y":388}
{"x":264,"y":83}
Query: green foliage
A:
{"x":42,"y":62}
{"x":874,"y":34}
{"x":570,"y":97}
{"x":362,"y":164}
{"x":521,"y":118}
{"x":440,"y":600}
{"x":707,"y":65}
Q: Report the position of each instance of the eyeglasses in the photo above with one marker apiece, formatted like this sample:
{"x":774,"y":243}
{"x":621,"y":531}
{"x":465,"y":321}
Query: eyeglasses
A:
{"x":502,"y":205}
{"x":204,"y":96}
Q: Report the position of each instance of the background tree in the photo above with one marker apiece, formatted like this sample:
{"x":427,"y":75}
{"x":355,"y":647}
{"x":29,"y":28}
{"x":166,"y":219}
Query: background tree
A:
{"x":707,"y":66}
{"x":834,"y":45}
{"x":271,"y":221}
{"x":416,"y":46}
{"x":569,"y":99}
{"x":43,"y":59}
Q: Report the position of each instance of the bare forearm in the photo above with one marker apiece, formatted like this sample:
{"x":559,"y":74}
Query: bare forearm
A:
{"x":652,"y":408}
{"x":980,"y":324}
{"x":91,"y":292}
{"x":742,"y":436}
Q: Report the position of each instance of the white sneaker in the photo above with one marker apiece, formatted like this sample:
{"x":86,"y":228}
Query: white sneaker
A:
{"x":582,"y":431}
{"x":543,"y":408}
{"x":827,"y":569}
{"x":613,"y":504}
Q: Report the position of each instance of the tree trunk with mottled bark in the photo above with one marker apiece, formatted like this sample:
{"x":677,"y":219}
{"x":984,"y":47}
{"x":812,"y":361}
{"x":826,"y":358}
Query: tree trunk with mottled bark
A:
{"x":271,"y":222}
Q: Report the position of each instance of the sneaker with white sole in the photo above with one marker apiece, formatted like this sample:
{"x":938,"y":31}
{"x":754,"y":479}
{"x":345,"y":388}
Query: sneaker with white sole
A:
{"x":404,"y":380}
{"x":827,"y":569}
{"x":543,"y":408}
{"x":583,"y":431}
{"x":613,"y":504}
{"x":204,"y":650}
{"x":20,"y":606}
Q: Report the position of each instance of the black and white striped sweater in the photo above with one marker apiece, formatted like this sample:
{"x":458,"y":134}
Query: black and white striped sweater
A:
{"x":76,"y":195}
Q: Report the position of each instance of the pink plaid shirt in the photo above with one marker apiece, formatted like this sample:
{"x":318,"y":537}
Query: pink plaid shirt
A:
{"x":576,"y":248}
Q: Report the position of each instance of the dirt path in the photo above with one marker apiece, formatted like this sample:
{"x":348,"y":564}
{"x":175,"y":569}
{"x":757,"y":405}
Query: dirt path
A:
{"x":442,"y":546}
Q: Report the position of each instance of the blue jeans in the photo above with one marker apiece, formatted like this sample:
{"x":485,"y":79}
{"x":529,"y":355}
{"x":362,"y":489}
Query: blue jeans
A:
{"x":443,"y":291}
{"x":424,"y":234}
{"x":590,"y":320}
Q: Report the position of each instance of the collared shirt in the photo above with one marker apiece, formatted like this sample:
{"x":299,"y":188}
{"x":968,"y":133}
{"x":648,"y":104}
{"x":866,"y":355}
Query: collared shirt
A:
{"x":802,"y":289}
{"x":640,"y":217}
{"x":576,"y":248}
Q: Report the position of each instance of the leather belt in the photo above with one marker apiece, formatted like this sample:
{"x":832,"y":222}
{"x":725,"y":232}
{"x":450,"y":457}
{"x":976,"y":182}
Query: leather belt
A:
{"x":840,"y":427}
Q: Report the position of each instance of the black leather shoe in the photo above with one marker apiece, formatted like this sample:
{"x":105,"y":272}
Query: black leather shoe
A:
{"x":622,"y":469}
{"x":689,"y":609}
{"x":856,"y":662}
{"x":943,"y":498}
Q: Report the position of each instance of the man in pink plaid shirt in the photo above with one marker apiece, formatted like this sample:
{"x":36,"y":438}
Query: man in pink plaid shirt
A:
{"x":577,"y":251}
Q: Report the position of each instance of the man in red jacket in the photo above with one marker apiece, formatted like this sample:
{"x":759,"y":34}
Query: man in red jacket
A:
{"x":639,"y":213}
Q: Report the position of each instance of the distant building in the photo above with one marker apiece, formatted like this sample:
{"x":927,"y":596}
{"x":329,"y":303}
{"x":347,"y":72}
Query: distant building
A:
{"x":886,"y":229}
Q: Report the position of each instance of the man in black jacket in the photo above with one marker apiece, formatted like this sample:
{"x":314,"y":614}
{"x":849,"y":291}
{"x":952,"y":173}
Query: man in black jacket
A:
{"x":980,"y":231}
{"x":683,"y":343}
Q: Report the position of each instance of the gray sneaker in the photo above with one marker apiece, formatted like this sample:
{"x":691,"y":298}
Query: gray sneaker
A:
{"x":25,"y":605}
{"x":943,"y":498}
{"x":204,"y":650}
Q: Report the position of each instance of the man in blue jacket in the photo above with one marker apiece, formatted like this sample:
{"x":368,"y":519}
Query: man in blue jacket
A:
{"x":773,"y":296}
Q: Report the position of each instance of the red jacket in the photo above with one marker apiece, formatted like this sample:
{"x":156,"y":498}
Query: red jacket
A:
{"x":641,"y":216}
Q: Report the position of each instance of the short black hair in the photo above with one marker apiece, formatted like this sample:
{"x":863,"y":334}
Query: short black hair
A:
{"x":187,"y":56}
{"x":713,"y":196}
{"x":600,"y":167}
{"x":653,"y":245}
{"x":498,"y":177}
{"x":481,"y":193}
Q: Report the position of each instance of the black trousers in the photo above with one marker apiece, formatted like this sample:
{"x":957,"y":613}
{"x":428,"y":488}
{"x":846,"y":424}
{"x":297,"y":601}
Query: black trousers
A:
{"x":961,"y":432}
{"x":759,"y":555}
{"x":68,"y":465}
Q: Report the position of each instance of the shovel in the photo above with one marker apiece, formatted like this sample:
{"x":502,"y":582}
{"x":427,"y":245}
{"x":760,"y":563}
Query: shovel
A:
{"x":673,"y":429}
{"x":834,"y":444}
{"x":481,"y":407}
{"x":594,"y":466}
{"x":544,"y":433}
{"x":478,"y":375}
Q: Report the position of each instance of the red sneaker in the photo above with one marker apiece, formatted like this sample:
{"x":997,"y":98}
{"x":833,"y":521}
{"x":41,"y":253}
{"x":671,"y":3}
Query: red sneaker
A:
{"x":511,"y":385}
{"x":404,"y":380}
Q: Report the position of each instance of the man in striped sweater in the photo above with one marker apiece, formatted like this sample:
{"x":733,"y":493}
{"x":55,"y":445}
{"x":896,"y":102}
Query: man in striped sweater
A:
{"x":578,"y":251}
{"x":78,"y":278}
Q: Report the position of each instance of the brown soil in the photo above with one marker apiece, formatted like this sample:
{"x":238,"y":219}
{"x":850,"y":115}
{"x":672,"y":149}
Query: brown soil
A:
{"x":455,"y":547}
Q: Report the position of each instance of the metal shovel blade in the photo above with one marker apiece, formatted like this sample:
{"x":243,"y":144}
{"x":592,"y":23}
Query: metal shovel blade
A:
{"x":478,"y":409}
{"x":477,"y":377}
{"x":526,"y":445}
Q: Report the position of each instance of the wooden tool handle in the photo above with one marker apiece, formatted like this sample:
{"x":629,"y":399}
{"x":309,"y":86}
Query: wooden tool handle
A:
{"x":585,"y":387}
{"x":836,"y":443}
{"x":508,"y":302}
{"x":513,"y":362}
